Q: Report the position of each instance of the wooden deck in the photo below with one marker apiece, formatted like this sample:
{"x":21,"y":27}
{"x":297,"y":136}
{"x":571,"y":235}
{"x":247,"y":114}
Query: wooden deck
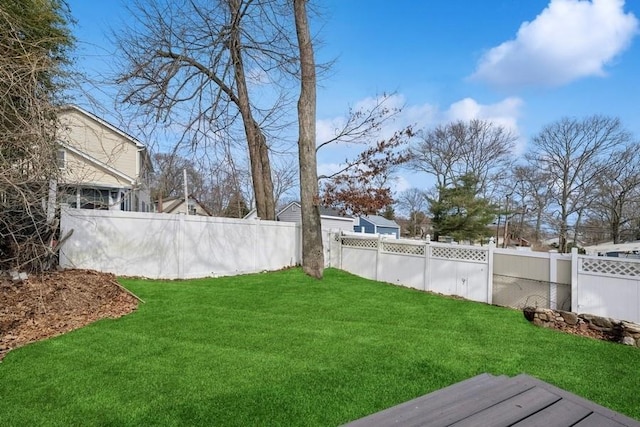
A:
{"x":488,"y":400}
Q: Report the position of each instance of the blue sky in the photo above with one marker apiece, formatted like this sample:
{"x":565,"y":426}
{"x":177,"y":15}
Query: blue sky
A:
{"x":520,"y":63}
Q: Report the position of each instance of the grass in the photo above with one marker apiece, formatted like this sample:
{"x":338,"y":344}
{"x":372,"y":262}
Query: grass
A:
{"x":284,"y":349}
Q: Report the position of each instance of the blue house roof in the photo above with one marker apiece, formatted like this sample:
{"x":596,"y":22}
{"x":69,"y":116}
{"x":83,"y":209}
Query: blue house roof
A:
{"x":381,"y":221}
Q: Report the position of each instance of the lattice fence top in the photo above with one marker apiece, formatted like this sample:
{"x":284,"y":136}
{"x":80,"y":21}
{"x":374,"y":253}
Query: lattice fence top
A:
{"x":608,"y":266}
{"x":403,"y":248}
{"x":464,"y":254}
{"x":354,"y":242}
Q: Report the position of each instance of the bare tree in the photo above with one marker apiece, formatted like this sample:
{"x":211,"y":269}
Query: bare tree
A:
{"x":193,"y":64}
{"x":34,"y":41}
{"x":285,"y":179}
{"x":168,"y":179}
{"x":618,"y":192}
{"x":532,"y":192}
{"x":573,"y":153}
{"x":415,"y":203}
{"x":361,"y":185}
{"x":453,"y":150}
{"x":312,"y":252}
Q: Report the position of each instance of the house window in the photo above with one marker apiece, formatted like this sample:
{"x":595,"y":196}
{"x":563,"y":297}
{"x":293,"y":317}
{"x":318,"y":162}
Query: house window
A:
{"x":125,"y":204}
{"x":61,"y":159}
{"x":92,"y":198}
{"x":192,"y":208}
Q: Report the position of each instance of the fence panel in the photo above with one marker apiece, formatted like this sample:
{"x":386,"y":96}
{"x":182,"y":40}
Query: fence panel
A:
{"x":172,"y":246}
{"x":447,"y":269}
{"x":537,"y":279}
{"x":402,"y":263}
{"x":460,"y":270}
{"x":360,"y":256}
{"x":608,"y":287}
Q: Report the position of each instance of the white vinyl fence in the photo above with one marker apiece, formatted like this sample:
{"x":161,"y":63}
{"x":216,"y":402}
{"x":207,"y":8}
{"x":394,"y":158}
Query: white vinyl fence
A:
{"x":608,"y":287}
{"x":452,"y":270}
{"x":533,"y":279}
{"x":171,"y":246}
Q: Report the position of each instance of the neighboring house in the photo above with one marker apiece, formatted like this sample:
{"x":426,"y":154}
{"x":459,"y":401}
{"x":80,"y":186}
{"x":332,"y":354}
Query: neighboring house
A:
{"x":330,"y":219}
{"x":623,"y":250}
{"x":102,"y":166}
{"x":176,"y":205}
{"x":375,"y":224}
{"x":554,"y":242}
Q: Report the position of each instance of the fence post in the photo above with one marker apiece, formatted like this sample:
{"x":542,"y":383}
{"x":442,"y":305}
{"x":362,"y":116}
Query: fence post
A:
{"x":574,"y":280}
{"x":491,"y":248}
{"x":553,"y":280}
{"x":378,"y":256}
{"x":181,"y":247}
{"x":340,"y":250}
{"x":426,"y":280}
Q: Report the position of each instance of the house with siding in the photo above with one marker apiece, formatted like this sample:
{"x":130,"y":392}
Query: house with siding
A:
{"x":376,"y":224}
{"x":102,"y":167}
{"x":330,"y":219}
{"x":177,"y":205}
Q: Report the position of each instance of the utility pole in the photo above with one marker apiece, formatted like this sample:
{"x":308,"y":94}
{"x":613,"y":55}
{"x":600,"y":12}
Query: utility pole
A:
{"x":186,"y":190}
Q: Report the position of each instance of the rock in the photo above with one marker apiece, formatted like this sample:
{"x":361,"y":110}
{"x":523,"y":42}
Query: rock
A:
{"x":18,"y":277}
{"x":628,"y":341}
{"x":569,"y":318}
{"x":603,"y":322}
{"x":632,"y":328}
{"x":529,"y":313}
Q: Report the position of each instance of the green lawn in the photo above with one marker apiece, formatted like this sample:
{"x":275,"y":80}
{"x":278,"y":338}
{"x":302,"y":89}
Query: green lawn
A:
{"x":282,"y":349}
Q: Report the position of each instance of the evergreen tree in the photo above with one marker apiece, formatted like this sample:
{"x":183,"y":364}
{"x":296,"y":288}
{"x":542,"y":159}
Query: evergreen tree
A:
{"x":459,"y":213}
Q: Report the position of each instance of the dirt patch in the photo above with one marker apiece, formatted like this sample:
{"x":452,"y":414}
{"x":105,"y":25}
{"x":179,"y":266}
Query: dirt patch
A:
{"x":51,"y":304}
{"x":585,"y":332}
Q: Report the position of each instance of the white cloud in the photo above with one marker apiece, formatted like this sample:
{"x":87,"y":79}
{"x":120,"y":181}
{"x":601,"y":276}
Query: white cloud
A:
{"x":569,"y":40}
{"x":327,"y":129}
{"x":504,"y":113}
{"x":399,"y":184}
{"x":423,"y":116}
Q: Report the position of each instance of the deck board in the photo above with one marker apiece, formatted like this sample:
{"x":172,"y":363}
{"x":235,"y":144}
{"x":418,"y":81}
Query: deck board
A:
{"x":563,"y":413}
{"x":487,"y":400}
{"x":511,"y":410}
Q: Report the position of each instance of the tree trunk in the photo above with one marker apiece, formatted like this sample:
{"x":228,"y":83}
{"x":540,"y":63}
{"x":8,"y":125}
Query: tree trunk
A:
{"x":312,"y":253}
{"x":256,"y":141}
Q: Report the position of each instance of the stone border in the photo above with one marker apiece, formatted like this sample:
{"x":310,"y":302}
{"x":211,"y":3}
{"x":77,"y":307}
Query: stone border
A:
{"x":620,"y":331}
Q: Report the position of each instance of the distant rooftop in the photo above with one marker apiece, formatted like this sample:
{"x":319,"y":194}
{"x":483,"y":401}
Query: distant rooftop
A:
{"x":381,"y":221}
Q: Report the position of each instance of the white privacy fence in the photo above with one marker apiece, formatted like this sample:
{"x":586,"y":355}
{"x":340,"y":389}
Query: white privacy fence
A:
{"x":178,"y":246}
{"x":608,"y":287}
{"x":452,"y":270}
{"x":534,"y":279}
{"x":172,"y":246}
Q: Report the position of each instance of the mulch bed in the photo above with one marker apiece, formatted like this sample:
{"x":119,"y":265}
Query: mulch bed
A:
{"x":53,"y":303}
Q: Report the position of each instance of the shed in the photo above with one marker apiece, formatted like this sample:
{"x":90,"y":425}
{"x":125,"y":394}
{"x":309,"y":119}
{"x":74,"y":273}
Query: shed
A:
{"x":376,"y":224}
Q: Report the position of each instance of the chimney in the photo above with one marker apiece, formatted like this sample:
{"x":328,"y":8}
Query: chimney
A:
{"x":160,"y":205}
